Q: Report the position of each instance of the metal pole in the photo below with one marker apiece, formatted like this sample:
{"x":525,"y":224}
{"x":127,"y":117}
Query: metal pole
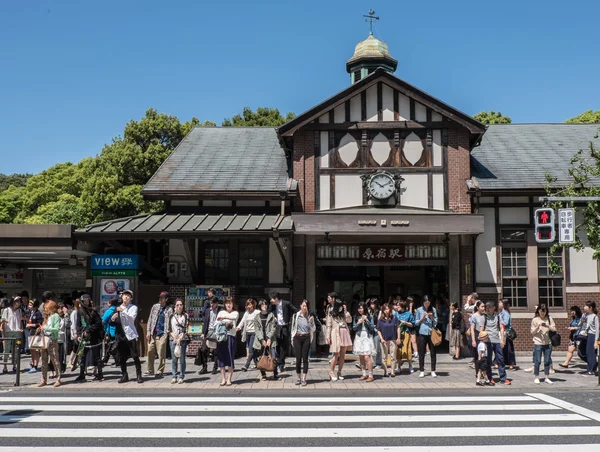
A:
{"x":17,"y":364}
{"x":568,"y":198}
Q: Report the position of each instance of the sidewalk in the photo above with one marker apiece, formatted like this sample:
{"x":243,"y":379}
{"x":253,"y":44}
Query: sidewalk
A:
{"x":451,"y":375}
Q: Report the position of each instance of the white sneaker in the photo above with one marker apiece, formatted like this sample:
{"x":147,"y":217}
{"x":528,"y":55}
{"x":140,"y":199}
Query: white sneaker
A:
{"x":550,"y":382}
{"x":529,"y":370}
{"x":552,"y":371}
{"x":357,"y":365}
{"x":537,"y":381}
{"x":411,"y":370}
{"x":377,"y":368}
{"x":422,"y":375}
{"x":427,"y":353}
{"x":433,"y":374}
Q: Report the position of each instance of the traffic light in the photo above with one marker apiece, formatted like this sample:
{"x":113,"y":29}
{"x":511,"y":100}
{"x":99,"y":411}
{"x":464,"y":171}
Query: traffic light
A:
{"x":544,"y":225}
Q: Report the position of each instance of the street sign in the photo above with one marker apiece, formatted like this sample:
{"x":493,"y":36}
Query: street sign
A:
{"x":114,"y":262}
{"x":566,"y":224}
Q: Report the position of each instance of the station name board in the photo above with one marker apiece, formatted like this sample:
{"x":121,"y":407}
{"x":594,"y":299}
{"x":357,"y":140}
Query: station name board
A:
{"x":114,"y":262}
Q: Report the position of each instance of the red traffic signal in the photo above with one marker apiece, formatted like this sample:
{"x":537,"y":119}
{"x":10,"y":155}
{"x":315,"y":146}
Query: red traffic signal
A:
{"x":544,"y":225}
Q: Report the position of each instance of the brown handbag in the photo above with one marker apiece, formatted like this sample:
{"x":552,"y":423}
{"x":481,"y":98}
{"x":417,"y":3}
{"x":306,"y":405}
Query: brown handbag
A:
{"x":266,"y":363}
{"x":436,"y":337}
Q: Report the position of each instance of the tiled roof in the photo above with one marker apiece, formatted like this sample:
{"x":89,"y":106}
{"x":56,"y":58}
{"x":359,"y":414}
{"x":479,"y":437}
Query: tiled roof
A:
{"x":209,"y":159}
{"x":518,"y":156}
{"x":164,"y":225}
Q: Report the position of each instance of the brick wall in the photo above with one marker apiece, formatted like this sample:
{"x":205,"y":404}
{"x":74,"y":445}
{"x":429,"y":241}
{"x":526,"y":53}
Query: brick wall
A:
{"x":579,"y":299}
{"x":459,"y":170}
{"x":303,"y":168}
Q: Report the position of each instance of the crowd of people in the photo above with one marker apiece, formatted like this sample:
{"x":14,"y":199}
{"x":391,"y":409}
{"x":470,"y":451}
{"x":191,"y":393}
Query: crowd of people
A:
{"x":387,"y":336}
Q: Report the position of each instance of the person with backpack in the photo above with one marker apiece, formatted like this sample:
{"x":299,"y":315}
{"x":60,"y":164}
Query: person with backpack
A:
{"x":541,"y":325}
{"x":127,"y":340}
{"x":510,"y":358}
{"x":405,"y":349}
{"x":457,"y":329}
{"x":110,"y":344}
{"x":226,"y":340}
{"x":91,"y":331}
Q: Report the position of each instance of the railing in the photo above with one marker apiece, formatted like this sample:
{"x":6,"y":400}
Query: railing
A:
{"x":12,"y":349}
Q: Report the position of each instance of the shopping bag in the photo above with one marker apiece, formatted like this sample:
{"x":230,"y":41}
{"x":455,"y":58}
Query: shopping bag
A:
{"x":177,"y":351}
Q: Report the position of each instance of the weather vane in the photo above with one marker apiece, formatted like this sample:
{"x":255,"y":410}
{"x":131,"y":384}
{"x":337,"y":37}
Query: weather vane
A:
{"x":370,"y":18}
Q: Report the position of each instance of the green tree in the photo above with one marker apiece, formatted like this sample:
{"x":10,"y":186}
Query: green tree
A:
{"x":18,"y":180}
{"x":262,"y":117}
{"x":99,"y":188}
{"x":492,"y":117}
{"x":585,"y":174}
{"x":587,"y":117}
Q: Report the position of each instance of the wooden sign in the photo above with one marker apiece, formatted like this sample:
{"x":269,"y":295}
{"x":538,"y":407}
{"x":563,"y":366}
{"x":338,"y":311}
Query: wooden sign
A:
{"x":381,"y":253}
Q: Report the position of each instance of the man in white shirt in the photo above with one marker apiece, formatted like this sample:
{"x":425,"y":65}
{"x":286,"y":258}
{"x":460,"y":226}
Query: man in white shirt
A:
{"x":12,"y":326}
{"x":470,"y":304}
{"x":128,"y":346}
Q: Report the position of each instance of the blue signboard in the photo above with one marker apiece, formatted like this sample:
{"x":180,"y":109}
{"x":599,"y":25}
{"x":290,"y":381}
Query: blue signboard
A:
{"x":114,"y":262}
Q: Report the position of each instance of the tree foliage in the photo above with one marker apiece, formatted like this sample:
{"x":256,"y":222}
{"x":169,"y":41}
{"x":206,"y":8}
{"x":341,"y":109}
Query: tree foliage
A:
{"x":262,"y":117}
{"x":99,"y":188}
{"x":585,"y":181}
{"x":587,"y":117}
{"x":109,"y":185}
{"x":18,"y":180}
{"x":492,"y":117}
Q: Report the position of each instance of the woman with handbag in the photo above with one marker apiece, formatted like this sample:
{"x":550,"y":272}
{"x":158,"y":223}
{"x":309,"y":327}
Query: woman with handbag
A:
{"x":49,"y":332}
{"x":226,"y":349}
{"x":426,"y":320}
{"x":541,"y":325}
{"x":303,"y":331}
{"x":179,"y":340}
{"x":573,"y":328}
{"x":364,"y":346}
{"x":265,"y":340}
{"x":35,"y":321}
{"x":338,"y":337}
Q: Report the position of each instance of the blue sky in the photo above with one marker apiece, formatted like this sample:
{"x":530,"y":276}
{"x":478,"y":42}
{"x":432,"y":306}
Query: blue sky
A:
{"x":73,"y":72}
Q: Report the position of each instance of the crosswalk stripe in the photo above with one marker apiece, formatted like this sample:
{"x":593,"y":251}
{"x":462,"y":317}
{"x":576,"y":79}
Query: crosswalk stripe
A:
{"x":568,"y":406}
{"x":472,"y":448}
{"x":284,"y":408}
{"x":218,"y":433}
{"x":357,"y":420}
{"x":263,"y":399}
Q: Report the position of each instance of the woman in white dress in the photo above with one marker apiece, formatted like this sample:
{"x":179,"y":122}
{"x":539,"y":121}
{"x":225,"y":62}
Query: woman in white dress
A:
{"x":363,"y":342}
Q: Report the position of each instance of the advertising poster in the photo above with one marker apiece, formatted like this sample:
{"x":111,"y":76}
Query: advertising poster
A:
{"x":109,"y":288}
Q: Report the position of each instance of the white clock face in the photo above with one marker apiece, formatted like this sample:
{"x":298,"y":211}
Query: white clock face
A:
{"x":381,"y":186}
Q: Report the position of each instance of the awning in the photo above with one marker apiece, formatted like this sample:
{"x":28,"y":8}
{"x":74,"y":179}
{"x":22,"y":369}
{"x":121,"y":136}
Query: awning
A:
{"x":178,"y":225}
{"x":394,"y":221}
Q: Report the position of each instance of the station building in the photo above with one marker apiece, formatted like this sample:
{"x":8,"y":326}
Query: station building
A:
{"x":381,"y":189}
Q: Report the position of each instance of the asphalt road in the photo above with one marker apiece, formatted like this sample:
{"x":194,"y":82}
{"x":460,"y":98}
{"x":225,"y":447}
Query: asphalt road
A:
{"x":356,"y":420}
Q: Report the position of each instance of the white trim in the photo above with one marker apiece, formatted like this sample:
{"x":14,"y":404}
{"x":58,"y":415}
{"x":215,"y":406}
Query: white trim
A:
{"x":568,"y":406}
{"x":261,"y":400}
{"x":574,"y":288}
{"x":283,"y":408}
{"x":266,"y":420}
{"x":304,"y":433}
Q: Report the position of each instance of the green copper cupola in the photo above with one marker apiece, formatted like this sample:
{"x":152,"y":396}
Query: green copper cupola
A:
{"x":369,"y":55}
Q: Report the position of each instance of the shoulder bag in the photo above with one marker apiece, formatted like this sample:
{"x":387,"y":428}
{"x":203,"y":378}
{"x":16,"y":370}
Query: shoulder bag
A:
{"x":436,"y":337}
{"x":38,"y":341}
{"x":554,"y":336}
{"x":511,"y":334}
{"x":266,"y":362}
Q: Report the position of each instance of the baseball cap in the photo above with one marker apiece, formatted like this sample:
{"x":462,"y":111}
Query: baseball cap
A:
{"x":127,"y":291}
{"x":164,"y":294}
{"x":85,"y":297}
